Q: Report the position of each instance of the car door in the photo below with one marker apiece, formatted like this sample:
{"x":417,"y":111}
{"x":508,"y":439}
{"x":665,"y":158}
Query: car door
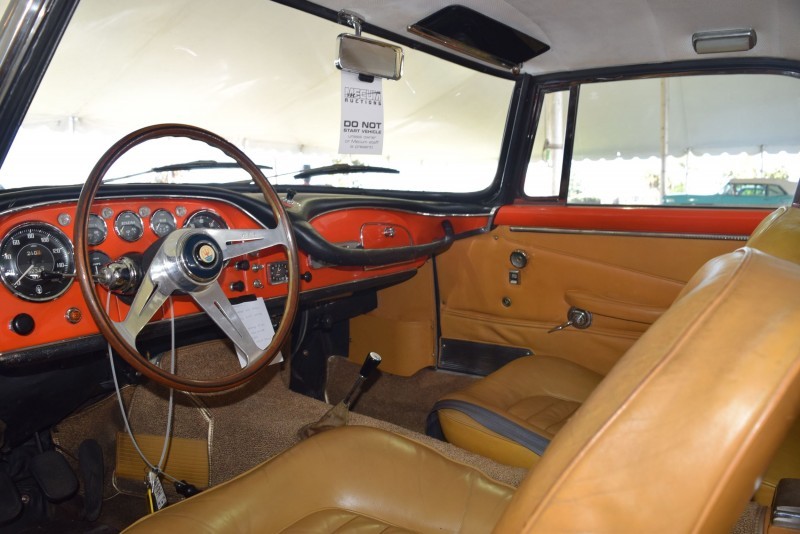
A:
{"x":590,"y":253}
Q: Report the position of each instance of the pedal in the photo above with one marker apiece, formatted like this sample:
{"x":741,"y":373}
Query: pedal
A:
{"x":90,"y":463}
{"x":10,"y":502}
{"x":54,"y":475}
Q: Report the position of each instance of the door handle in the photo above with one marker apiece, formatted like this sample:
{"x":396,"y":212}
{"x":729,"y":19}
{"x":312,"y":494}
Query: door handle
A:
{"x":576,"y":318}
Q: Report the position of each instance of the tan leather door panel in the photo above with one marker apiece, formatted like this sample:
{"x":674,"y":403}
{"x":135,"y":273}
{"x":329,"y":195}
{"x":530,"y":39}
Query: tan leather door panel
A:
{"x":626,"y":281}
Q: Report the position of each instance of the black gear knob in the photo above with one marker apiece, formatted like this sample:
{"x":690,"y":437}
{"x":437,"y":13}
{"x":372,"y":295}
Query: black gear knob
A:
{"x":367,"y":368}
{"x":370,"y":364}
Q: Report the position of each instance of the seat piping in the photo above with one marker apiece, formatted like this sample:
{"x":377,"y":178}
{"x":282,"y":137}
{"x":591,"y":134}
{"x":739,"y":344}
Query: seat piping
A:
{"x":489,"y":419}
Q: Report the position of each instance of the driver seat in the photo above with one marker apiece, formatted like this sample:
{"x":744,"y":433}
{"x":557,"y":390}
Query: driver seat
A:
{"x":673,"y":440}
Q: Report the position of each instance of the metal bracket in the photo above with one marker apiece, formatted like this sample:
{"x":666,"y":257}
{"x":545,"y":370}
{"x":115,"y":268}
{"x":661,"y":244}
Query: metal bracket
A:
{"x":352,"y":19}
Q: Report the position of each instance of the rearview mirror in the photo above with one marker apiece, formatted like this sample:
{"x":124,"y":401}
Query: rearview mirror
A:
{"x":372,"y":58}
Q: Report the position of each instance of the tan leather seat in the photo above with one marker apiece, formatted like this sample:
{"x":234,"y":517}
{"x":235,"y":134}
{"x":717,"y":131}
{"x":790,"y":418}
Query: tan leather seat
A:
{"x":513,"y":414}
{"x":352,"y":478}
{"x":672,"y":440}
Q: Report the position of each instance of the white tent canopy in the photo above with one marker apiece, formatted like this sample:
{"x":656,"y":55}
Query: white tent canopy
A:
{"x":705,"y":115}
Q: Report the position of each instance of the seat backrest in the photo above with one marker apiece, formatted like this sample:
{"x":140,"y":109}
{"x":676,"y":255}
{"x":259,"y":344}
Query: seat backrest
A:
{"x":677,"y":435}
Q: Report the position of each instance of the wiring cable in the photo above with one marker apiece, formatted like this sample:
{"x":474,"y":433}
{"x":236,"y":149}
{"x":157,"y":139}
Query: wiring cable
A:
{"x":170,"y":406}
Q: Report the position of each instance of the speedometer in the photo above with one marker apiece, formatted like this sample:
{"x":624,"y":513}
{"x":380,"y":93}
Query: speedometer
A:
{"x":36,"y":261}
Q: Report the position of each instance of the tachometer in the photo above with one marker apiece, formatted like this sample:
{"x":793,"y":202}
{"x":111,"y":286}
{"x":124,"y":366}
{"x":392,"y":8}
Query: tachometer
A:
{"x":37,"y":261}
{"x":128,"y":226}
{"x":205,"y":219}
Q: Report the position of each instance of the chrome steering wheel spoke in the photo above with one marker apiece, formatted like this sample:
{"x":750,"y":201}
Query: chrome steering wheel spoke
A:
{"x":240,"y":242}
{"x":150,"y":296}
{"x":214,"y":302}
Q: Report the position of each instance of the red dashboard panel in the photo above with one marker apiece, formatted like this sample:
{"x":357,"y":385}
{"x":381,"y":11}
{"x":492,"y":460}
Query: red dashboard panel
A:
{"x":50,"y":317}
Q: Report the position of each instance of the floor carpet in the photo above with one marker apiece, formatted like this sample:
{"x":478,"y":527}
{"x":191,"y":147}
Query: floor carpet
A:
{"x":246,"y":426}
{"x":404,"y":401}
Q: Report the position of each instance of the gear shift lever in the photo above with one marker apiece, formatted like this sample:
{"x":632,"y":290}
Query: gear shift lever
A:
{"x":370,"y":364}
{"x":338,"y":415}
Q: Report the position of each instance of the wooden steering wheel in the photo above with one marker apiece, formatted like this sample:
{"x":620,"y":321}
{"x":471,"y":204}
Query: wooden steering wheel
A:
{"x":189,"y":261}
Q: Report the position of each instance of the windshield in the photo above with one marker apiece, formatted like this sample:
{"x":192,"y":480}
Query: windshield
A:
{"x":261,"y":75}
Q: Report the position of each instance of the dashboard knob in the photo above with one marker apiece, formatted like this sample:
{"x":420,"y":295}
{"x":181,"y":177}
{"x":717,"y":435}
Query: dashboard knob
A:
{"x":242,"y":265}
{"x":22,"y":324}
{"x":306,"y":276}
{"x":237,"y":286}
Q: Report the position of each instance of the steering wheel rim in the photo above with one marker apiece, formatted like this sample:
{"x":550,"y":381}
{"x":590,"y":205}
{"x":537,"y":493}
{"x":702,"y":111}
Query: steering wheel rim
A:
{"x":97,"y":310}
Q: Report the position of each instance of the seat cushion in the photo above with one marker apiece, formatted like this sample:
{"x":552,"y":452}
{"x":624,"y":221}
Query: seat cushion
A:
{"x":534,"y":395}
{"x":351,"y":478}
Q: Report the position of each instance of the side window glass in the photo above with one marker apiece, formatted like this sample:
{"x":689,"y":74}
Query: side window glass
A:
{"x":713,"y":140}
{"x":543,"y":178}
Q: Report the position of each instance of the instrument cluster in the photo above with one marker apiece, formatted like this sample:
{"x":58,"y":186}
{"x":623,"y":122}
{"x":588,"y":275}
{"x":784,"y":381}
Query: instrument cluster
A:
{"x":37,"y":259}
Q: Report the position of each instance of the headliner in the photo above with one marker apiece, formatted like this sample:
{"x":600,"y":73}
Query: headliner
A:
{"x":605,"y":33}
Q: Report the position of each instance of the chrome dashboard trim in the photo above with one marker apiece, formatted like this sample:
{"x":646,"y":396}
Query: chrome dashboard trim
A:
{"x":624,"y":233}
{"x":400,"y":210}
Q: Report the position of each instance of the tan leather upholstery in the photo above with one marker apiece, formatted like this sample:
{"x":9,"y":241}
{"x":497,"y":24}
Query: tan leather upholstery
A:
{"x":622,"y":275}
{"x":354,"y":478}
{"x":515,"y":392}
{"x":676,"y":436}
{"x":538,"y":393}
{"x":673,"y":439}
{"x":777,"y":234}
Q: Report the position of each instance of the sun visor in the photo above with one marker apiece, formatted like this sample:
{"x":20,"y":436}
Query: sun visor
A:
{"x":467,"y":31}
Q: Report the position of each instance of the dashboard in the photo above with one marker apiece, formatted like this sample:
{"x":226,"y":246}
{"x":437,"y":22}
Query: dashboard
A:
{"x":345,"y":244}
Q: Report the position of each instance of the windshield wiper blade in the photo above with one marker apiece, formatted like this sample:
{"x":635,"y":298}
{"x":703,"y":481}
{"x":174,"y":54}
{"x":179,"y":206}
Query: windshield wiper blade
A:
{"x":342,"y":168}
{"x":188,"y":166}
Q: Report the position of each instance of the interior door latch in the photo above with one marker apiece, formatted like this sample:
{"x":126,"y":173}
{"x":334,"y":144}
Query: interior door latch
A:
{"x":577,"y":318}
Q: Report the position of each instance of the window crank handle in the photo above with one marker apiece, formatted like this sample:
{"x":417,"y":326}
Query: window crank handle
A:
{"x":576,"y":318}
{"x":562,"y":326}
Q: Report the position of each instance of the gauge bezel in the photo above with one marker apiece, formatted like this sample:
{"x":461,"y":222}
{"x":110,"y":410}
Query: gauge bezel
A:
{"x":206,"y":211}
{"x":152,"y":225}
{"x":117,"y":230}
{"x":105,"y":229}
{"x":67,"y":242}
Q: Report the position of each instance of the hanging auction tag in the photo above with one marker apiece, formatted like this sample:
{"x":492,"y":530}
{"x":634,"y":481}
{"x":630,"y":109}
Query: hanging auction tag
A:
{"x":362,"y":115}
{"x":158,"y":495}
{"x":255,"y":317}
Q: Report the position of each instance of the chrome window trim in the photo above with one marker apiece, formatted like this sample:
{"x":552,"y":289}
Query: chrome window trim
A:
{"x":626,"y":233}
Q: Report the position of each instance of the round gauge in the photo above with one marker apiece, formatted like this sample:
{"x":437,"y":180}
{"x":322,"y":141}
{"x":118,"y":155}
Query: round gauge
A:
{"x":162,"y":222}
{"x":98,"y":231}
{"x":36,"y":261}
{"x":128,"y":226}
{"x":205,"y":219}
{"x":97,"y":259}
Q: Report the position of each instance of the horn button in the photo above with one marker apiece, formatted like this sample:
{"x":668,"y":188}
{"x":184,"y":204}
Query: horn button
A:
{"x":200,"y":258}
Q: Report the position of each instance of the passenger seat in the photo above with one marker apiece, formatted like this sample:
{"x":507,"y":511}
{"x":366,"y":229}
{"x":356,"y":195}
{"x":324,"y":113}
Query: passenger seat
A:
{"x":512,"y":414}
